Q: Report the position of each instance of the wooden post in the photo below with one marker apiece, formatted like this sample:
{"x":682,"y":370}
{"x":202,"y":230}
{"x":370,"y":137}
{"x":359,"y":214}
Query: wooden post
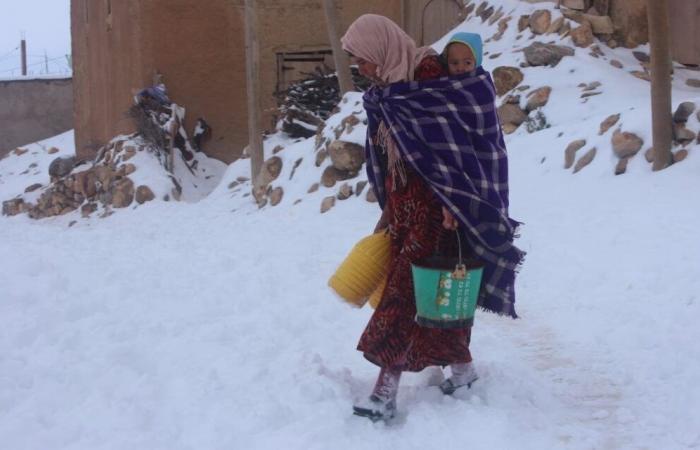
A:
{"x":174,"y":127}
{"x":404,"y":19}
{"x":255,"y":144}
{"x":23,"y":46}
{"x":340,"y":58}
{"x":661,"y":118}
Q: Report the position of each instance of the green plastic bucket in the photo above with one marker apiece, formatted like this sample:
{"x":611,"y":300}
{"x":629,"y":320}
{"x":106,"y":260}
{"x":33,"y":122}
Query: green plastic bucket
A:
{"x":446,"y":295}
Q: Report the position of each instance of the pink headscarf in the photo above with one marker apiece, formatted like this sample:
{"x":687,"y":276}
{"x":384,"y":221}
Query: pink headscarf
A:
{"x":380,"y":41}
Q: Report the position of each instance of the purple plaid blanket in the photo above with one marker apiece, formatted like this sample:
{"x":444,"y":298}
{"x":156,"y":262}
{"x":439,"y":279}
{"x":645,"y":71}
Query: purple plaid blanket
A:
{"x":448,"y":131}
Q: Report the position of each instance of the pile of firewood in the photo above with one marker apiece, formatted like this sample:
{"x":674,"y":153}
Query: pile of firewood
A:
{"x":308,"y":102}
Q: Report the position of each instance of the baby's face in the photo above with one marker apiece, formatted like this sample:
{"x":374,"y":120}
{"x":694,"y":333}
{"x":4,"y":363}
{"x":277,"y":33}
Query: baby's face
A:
{"x":460,"y":59}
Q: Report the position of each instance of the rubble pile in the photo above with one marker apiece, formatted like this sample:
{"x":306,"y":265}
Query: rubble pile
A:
{"x":105,"y":183}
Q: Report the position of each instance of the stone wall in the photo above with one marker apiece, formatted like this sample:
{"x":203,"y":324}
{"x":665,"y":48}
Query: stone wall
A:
{"x":630,"y":19}
{"x":199,"y":48}
{"x":34,"y":109}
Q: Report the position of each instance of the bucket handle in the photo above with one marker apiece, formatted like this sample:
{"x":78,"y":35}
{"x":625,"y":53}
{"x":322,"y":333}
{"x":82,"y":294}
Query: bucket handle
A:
{"x":460,"y":271}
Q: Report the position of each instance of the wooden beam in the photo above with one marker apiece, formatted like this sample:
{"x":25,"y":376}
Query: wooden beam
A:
{"x":340,"y":58}
{"x":255,"y":144}
{"x":661,"y":117}
{"x":404,"y":19}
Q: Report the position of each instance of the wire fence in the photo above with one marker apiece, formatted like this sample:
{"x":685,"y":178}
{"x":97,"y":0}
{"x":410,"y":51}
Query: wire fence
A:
{"x":36,"y":64}
{"x":10,"y":54}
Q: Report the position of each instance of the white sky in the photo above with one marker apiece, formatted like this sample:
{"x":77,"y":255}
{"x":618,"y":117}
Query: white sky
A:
{"x":46,"y":26}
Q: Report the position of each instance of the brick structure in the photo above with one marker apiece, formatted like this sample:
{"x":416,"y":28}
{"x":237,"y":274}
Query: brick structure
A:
{"x":199,"y":48}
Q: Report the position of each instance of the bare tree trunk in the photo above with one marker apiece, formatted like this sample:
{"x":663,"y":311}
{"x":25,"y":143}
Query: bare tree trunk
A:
{"x":342,"y":62}
{"x":662,"y":122}
{"x":255,"y":146}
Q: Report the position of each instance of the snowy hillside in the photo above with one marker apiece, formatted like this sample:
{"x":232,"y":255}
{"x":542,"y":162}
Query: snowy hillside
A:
{"x":209,"y":325}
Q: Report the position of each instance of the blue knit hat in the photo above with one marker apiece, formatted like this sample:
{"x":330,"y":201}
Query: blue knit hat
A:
{"x":471,"y":40}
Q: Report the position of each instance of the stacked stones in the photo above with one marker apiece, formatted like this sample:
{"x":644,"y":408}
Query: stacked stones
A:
{"x":645,"y":63}
{"x":269,"y":172}
{"x":540,"y":23}
{"x":511,"y":114}
{"x":347,"y":160}
{"x":626,"y":145}
{"x":488,"y":13}
{"x":681,"y":135}
{"x":106,"y":182}
{"x":593,"y":22}
{"x":516,"y":109}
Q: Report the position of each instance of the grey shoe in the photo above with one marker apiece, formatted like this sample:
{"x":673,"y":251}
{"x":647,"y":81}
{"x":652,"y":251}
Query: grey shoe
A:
{"x":375,"y":408}
{"x":448,"y":387}
{"x":463,"y":374}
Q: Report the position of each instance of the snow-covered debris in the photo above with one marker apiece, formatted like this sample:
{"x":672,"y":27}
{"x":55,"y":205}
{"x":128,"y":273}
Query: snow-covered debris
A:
{"x":157,"y":163}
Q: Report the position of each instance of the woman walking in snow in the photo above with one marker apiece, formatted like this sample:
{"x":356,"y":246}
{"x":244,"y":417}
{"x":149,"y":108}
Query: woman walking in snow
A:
{"x":436,"y":160}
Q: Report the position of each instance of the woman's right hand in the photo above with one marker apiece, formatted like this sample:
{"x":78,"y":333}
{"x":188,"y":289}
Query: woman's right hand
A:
{"x":448,"y":220}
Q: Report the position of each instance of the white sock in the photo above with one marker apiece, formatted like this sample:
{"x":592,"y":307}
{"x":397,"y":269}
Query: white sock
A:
{"x":463,"y":373}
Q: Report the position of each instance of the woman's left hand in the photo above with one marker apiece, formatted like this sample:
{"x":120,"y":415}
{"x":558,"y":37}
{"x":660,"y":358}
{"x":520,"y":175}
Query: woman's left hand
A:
{"x":448,"y":220}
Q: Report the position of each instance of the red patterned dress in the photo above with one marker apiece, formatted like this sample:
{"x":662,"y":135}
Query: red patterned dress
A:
{"x":392,"y":338}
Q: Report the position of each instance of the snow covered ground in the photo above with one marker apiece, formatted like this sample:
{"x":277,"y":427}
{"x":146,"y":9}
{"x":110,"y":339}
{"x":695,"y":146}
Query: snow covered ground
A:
{"x":209,"y":325}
